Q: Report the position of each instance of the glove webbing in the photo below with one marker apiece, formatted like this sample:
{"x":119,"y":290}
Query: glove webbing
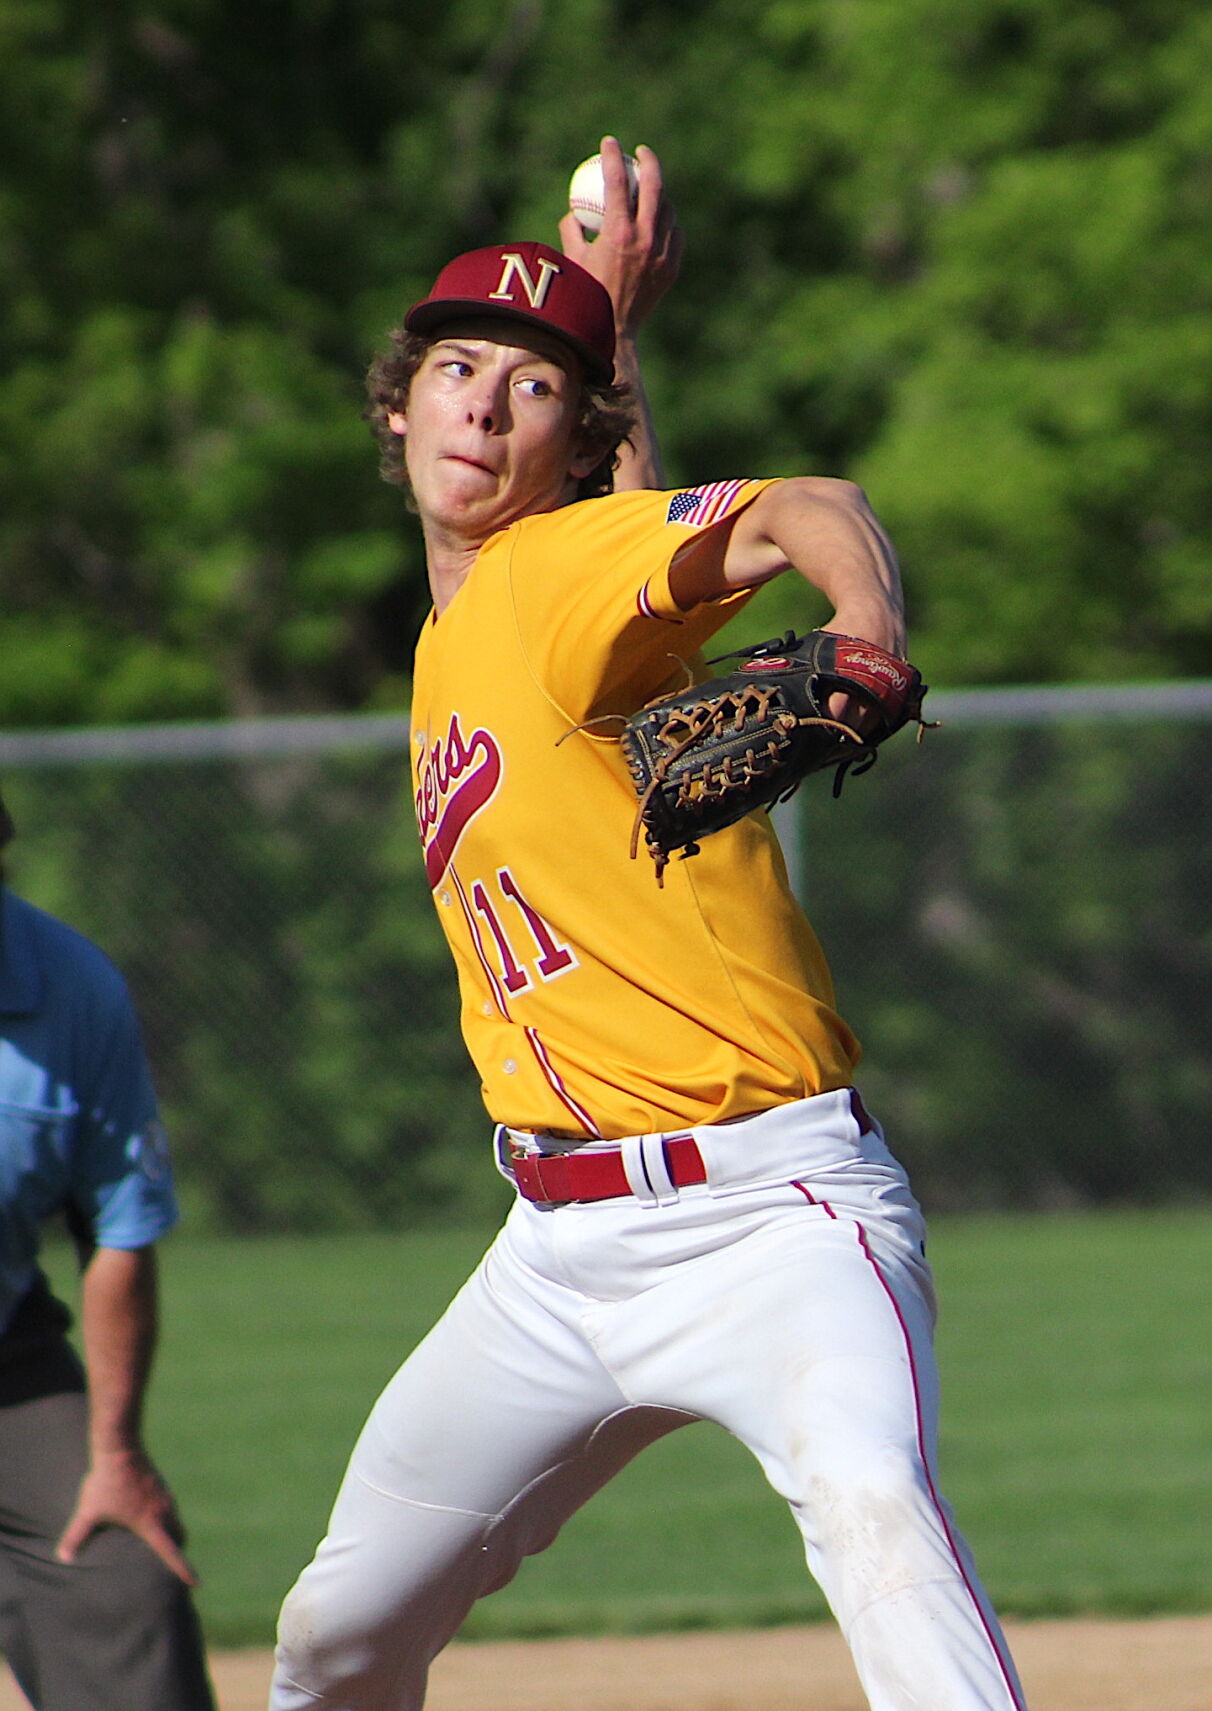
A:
{"x":716,"y":781}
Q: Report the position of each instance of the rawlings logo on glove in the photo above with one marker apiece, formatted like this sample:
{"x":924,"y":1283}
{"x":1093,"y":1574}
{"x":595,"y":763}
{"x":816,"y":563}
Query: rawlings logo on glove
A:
{"x":704,"y":758}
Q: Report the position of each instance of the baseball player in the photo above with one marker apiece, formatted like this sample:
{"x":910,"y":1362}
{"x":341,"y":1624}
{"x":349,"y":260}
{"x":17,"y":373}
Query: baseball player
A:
{"x":708,"y":1225}
{"x":95,"y":1606}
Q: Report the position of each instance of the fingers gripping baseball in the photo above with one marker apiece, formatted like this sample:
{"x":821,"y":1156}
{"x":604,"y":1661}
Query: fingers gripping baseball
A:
{"x":637,"y":251}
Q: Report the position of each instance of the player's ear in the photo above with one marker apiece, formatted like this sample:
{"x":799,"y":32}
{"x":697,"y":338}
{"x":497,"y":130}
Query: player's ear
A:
{"x":584,"y":463}
{"x":397,"y":422}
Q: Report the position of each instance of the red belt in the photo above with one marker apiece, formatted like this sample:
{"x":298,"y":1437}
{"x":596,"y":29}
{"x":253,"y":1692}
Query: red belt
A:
{"x":555,"y":1177}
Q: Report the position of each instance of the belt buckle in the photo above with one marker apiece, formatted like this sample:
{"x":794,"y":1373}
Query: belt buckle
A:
{"x":528,"y":1174}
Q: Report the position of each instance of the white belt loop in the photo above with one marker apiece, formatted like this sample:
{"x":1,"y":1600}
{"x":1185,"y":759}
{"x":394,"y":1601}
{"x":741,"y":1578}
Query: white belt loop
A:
{"x":500,"y":1151}
{"x":652,"y":1151}
{"x":631,"y":1150}
{"x":647,"y":1173}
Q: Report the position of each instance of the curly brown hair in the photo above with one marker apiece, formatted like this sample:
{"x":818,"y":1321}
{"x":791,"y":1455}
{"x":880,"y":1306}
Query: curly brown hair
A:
{"x":606,"y":415}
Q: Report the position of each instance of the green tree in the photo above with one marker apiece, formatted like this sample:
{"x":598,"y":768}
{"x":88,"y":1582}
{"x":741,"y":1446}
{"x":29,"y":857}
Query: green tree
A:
{"x":956,"y":252}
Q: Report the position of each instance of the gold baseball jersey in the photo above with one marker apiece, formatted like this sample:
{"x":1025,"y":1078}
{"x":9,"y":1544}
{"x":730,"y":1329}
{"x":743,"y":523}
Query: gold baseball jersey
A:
{"x":595,"y":1003}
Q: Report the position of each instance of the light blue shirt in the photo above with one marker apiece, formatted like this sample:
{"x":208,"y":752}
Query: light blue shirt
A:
{"x":78,"y":1115}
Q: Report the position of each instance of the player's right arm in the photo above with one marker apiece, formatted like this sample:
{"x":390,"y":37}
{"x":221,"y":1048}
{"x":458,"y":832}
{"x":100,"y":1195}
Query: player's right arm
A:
{"x":820,"y":527}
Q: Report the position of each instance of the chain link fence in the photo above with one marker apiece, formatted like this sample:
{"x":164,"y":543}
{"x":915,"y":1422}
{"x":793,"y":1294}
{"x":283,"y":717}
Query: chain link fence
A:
{"x":1016,"y":913}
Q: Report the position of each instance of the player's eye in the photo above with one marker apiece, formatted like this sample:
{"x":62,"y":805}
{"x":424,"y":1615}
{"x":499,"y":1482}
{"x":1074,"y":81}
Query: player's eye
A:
{"x":535,"y":387}
{"x":456,"y":366}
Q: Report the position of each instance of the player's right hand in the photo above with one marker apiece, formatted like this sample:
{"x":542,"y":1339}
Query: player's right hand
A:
{"x":635,"y":256}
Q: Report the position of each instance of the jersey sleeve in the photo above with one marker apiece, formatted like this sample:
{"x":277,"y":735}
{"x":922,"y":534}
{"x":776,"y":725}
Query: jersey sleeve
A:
{"x":598,"y":625}
{"x":121,"y":1174}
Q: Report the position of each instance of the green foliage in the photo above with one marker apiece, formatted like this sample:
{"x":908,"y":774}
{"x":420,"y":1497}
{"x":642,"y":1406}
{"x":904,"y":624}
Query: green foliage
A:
{"x":1015,"y":917}
{"x":1014,"y":921}
{"x":955,"y":252}
{"x":296,"y":993}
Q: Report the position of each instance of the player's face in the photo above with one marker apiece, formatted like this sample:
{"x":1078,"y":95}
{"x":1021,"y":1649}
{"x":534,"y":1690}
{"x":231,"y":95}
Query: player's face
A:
{"x":490,"y":430}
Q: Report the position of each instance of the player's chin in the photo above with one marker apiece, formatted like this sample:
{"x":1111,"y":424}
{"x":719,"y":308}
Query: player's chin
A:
{"x":461,"y":490}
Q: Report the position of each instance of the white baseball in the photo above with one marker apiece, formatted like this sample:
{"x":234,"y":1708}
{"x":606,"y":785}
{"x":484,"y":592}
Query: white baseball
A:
{"x":587,"y":191}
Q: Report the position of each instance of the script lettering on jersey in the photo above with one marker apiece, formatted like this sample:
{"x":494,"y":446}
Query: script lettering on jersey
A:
{"x":513,"y":267}
{"x":457,"y":776}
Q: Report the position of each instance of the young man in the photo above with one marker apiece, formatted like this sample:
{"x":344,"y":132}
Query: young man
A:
{"x":707,"y":1225}
{"x":95,"y":1607}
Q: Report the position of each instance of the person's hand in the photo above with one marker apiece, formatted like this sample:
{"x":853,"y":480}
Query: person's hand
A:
{"x":885,"y":628}
{"x":123,"y":1488}
{"x":635,"y":256}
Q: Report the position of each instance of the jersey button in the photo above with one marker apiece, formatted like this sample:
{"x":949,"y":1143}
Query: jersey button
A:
{"x":509,"y":1066}
{"x":489,"y":1007}
{"x":444,"y":899}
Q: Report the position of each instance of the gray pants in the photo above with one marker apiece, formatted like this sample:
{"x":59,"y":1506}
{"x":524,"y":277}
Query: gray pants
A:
{"x":114,"y":1631}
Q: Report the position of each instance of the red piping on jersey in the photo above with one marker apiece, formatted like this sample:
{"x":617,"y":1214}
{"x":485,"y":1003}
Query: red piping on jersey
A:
{"x":935,"y":1499}
{"x":550,"y":1073}
{"x":473,"y":928}
{"x":557,"y":1086}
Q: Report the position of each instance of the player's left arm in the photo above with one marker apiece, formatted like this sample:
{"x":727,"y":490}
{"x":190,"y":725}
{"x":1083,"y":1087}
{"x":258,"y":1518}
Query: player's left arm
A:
{"x":121,"y":1486}
{"x":636,"y":257}
{"x":820,"y":527}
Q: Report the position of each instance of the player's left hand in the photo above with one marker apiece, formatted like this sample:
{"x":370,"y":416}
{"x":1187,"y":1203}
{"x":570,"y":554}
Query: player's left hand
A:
{"x":124,"y":1489}
{"x":636,"y":256}
{"x":885,"y":628}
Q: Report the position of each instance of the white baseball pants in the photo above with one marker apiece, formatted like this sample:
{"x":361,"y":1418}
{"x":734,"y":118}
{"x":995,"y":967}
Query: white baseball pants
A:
{"x":787,"y":1299}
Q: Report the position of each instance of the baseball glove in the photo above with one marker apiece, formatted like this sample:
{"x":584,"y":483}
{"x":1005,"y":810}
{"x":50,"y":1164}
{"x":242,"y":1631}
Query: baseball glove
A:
{"x":703,"y":758}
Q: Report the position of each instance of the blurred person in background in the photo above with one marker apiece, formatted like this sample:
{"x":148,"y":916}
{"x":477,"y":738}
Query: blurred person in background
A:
{"x":96,"y":1612}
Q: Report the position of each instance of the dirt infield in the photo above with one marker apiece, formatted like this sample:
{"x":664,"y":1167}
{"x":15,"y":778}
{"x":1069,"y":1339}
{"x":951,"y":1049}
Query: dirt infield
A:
{"x":1161,"y":1665}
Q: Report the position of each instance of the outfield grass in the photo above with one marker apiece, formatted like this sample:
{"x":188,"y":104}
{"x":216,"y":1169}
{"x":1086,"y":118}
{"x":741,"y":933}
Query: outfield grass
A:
{"x":1077,"y":1430}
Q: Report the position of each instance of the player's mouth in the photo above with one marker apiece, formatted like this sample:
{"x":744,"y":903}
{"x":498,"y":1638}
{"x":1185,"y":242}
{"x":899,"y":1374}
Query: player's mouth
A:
{"x":469,"y":462}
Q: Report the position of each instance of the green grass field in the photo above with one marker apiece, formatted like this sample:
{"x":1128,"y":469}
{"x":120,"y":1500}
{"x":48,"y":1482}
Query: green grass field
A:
{"x":1077,"y":1430}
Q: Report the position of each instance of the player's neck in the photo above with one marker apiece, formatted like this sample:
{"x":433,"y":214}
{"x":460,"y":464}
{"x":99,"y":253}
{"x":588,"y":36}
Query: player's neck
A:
{"x":450,"y":552}
{"x":449,"y":563}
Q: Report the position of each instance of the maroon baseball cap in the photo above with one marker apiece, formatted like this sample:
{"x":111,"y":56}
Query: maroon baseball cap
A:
{"x":531,"y":283}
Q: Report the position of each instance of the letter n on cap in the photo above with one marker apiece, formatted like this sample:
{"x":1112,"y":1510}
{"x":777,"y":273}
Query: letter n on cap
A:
{"x":513,"y":266}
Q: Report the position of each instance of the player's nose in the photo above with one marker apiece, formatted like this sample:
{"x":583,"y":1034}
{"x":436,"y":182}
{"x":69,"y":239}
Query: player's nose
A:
{"x":488,"y":407}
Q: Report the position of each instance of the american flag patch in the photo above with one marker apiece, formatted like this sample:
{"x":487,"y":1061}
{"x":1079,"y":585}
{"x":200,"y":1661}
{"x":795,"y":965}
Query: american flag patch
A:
{"x":699,"y":506}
